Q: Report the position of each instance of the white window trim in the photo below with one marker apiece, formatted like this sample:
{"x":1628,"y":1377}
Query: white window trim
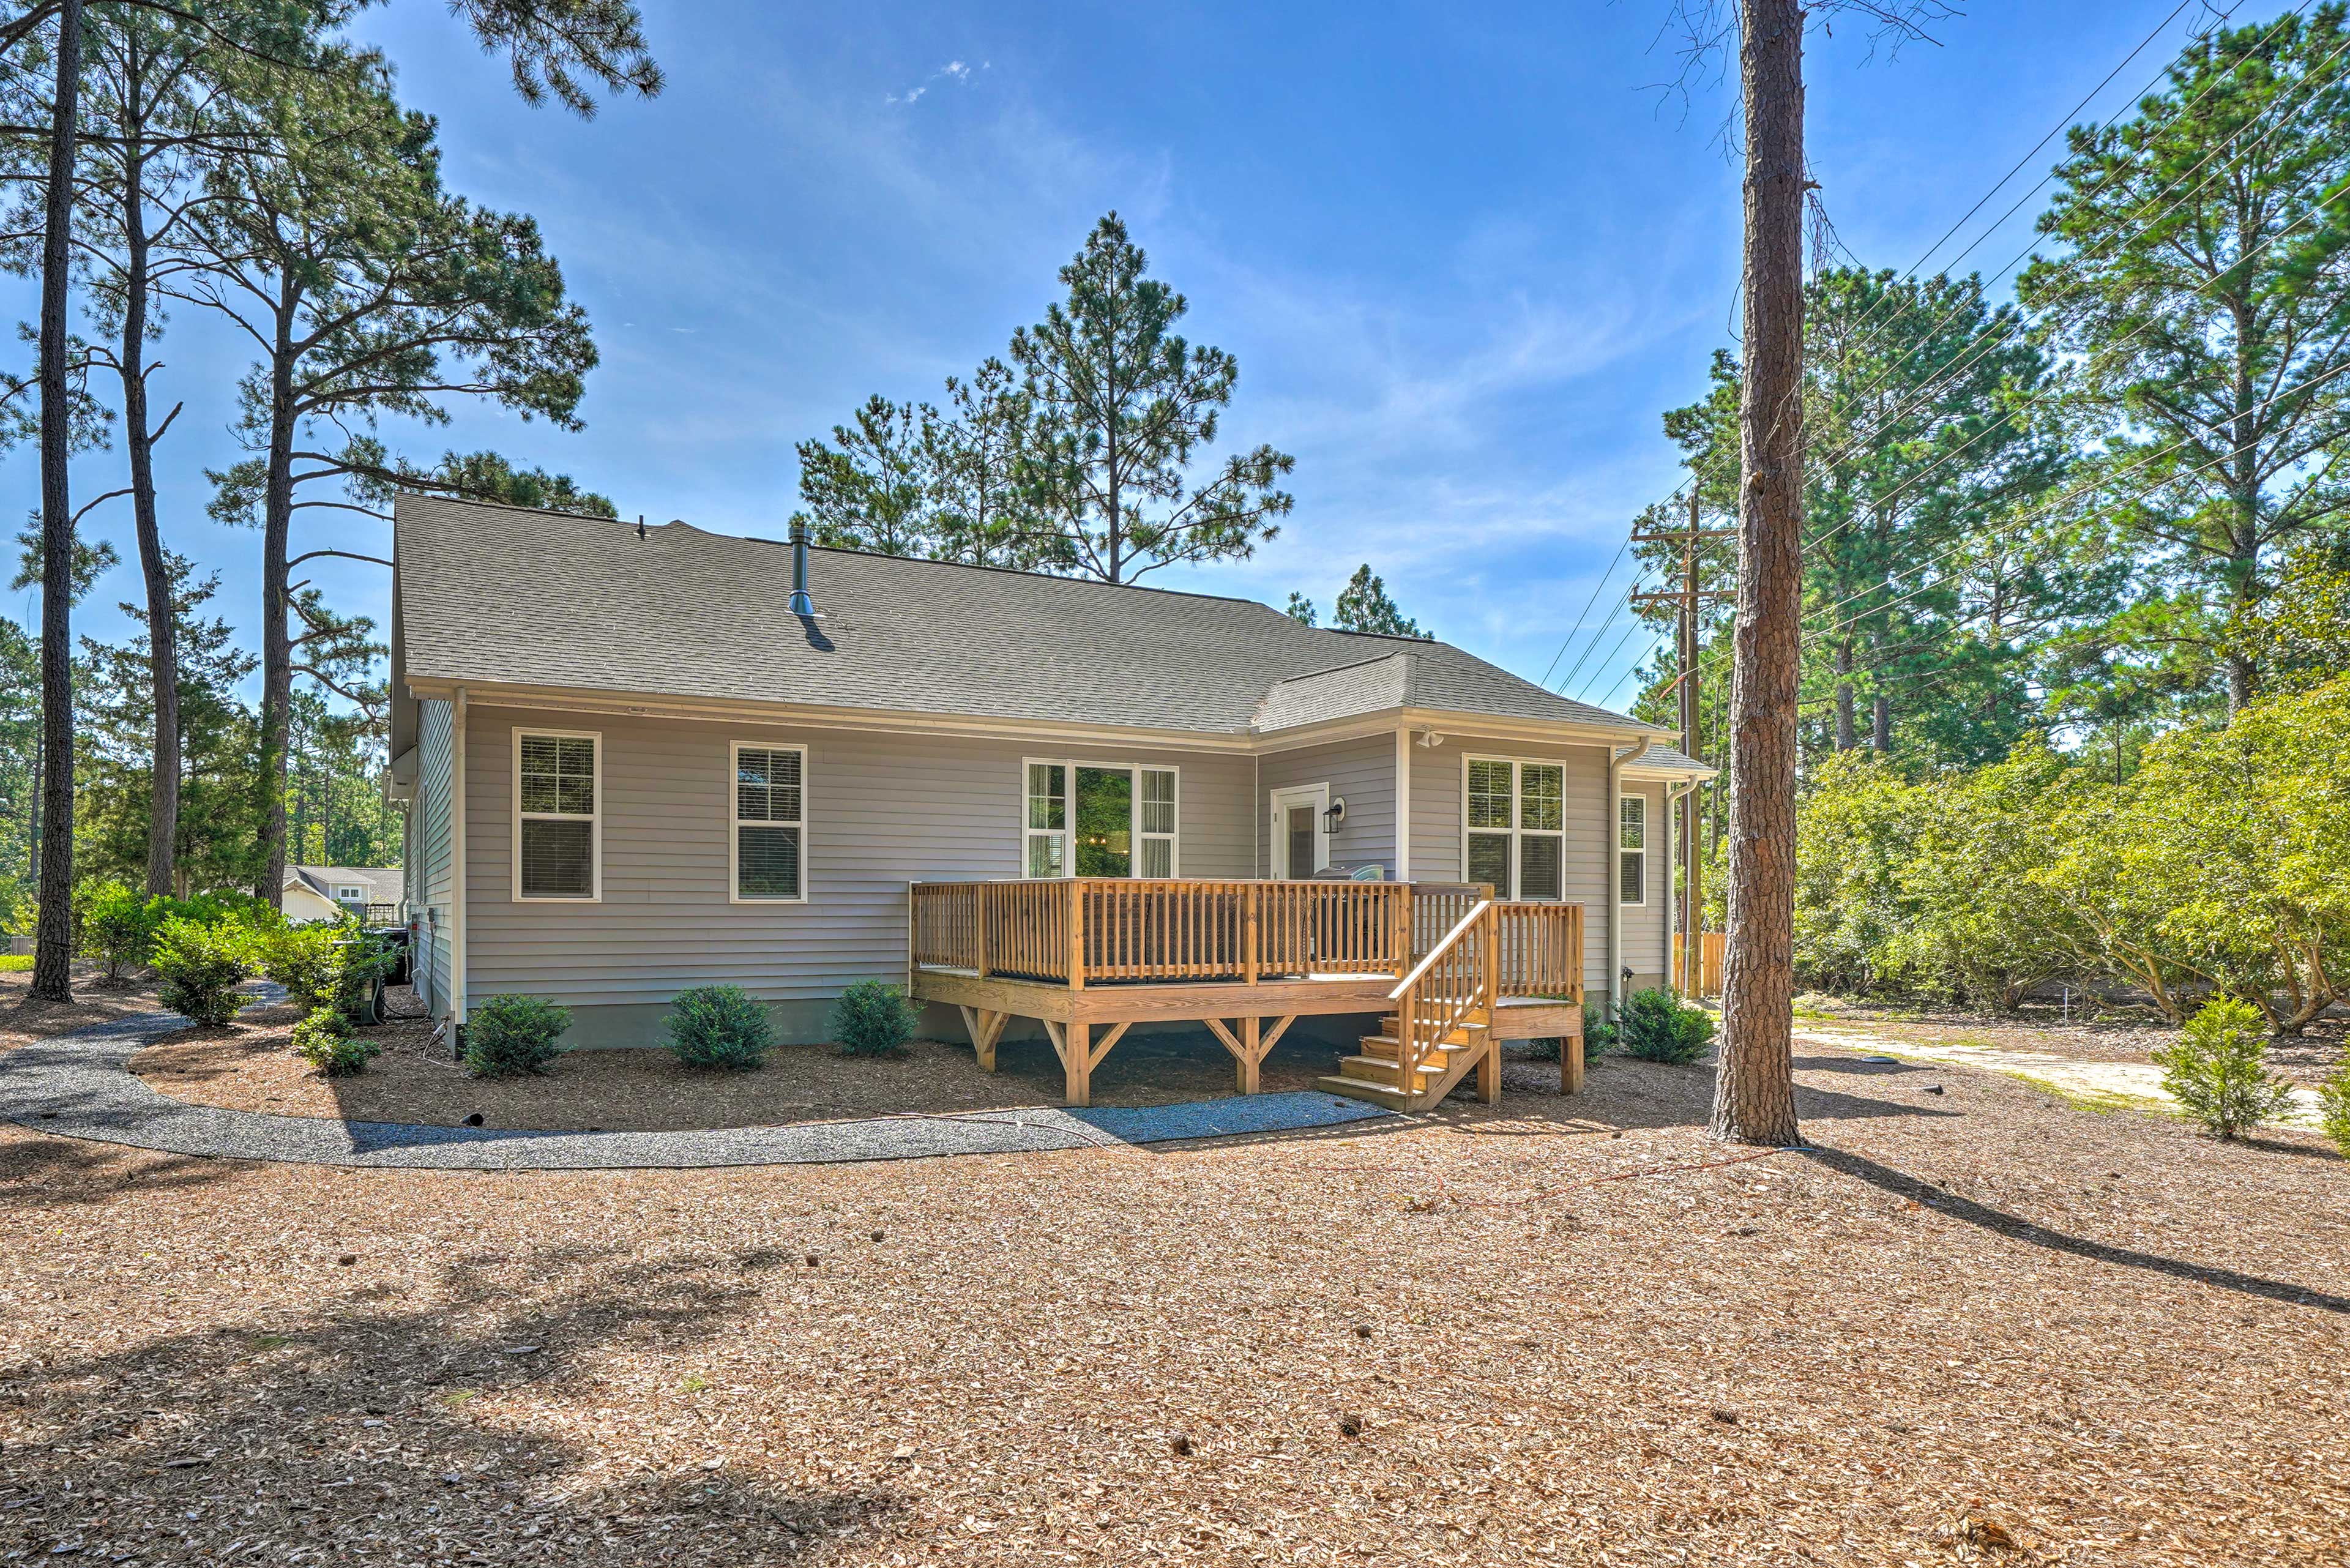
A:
{"x":1642,"y":901}
{"x":350,"y":895}
{"x":736,"y":823}
{"x":1068,"y":830}
{"x":1516,"y":833}
{"x":1278,"y":810}
{"x":595,"y":819}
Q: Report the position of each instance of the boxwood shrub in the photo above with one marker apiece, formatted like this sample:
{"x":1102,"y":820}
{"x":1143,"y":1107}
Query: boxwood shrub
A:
{"x":719,"y":1026}
{"x":510,"y":1034}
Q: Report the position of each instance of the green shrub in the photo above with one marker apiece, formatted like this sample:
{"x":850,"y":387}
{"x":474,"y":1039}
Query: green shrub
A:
{"x":118,"y":926}
{"x":202,"y":965}
{"x":2219,"y":1071}
{"x":1656,"y":1027}
{"x":508,"y":1034}
{"x":2334,"y":1109}
{"x":1598,"y":1030}
{"x":324,"y":1040}
{"x":14,"y":963}
{"x":719,"y":1026}
{"x":873,"y":1020}
{"x":323,"y":964}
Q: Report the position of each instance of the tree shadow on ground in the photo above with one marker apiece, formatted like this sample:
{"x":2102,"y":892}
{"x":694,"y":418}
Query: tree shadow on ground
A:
{"x":359,"y":1431}
{"x":2018,"y":1228}
{"x":40,"y":1171}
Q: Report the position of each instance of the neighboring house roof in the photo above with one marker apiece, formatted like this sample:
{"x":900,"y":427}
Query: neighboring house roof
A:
{"x":384,"y":884}
{"x":504,"y":596}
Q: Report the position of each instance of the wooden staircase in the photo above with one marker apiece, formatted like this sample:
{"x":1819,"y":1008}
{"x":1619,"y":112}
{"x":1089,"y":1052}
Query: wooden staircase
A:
{"x":1441,"y":1029}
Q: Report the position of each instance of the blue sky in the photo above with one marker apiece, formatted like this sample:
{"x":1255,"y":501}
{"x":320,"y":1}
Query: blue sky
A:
{"x":1464,"y":256}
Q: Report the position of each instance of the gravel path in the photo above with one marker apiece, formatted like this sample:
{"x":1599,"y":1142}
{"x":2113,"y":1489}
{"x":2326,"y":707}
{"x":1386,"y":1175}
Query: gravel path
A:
{"x":79,"y":1086}
{"x":2124,"y":1081}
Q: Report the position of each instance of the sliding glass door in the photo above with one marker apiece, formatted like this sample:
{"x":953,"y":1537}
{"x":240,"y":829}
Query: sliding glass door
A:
{"x":1098,"y":820}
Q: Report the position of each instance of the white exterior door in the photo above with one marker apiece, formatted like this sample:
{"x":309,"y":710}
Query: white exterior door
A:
{"x":1300,"y":848}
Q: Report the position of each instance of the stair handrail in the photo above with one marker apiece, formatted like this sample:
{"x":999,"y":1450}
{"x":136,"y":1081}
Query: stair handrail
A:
{"x":1438,"y":951}
{"x":1415,"y":1038}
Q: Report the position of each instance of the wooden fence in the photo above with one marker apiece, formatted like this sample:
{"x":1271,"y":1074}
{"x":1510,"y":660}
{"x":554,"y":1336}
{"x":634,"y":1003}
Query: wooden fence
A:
{"x":1712,"y":945}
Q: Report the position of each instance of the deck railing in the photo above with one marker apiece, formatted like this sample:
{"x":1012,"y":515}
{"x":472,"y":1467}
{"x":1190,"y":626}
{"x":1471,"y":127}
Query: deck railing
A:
{"x":1455,"y":986}
{"x":1086,"y":930}
{"x":1540,"y":949}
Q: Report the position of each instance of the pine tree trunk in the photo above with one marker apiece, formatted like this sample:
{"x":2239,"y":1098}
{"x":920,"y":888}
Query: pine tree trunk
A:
{"x":1846,"y":738}
{"x":1754,"y":1097}
{"x":163,"y":618}
{"x":276,"y":637}
{"x":53,"y":945}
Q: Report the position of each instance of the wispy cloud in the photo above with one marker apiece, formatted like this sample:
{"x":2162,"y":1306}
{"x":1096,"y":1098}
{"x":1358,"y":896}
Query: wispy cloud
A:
{"x":952,"y":71}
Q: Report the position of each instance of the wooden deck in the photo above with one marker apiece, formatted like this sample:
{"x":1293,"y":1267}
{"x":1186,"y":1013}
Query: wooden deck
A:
{"x":1089,"y":958}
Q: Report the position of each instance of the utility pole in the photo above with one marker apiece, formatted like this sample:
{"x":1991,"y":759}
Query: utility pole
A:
{"x":1688,"y":599}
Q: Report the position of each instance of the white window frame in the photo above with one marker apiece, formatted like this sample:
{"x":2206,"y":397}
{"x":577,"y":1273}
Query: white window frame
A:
{"x":1517,"y":832}
{"x":350,"y":895}
{"x":1622,"y":854}
{"x":736,"y":822}
{"x":595,"y":819}
{"x":1067,"y":832}
{"x":1278,"y":847}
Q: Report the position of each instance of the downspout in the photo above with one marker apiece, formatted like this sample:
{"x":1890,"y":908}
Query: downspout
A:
{"x":1673,"y":797}
{"x":1615,"y":763}
{"x":1403,"y":804}
{"x":457,"y":863}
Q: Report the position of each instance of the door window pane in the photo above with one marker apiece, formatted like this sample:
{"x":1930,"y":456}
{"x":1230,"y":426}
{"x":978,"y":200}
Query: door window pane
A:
{"x":1158,"y":800}
{"x":1045,"y":855}
{"x":1048,"y":795}
{"x":1105,"y":830}
{"x":1159,"y":858}
{"x":1300,"y":833}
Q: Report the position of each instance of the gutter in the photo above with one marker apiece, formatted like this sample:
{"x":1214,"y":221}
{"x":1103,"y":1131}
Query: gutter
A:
{"x":1615,"y":763}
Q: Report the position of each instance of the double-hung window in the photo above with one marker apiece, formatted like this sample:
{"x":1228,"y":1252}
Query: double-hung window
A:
{"x":1632,"y":848}
{"x":1099,"y":820}
{"x":770,"y":823}
{"x":558,"y":815}
{"x":1516,"y":821}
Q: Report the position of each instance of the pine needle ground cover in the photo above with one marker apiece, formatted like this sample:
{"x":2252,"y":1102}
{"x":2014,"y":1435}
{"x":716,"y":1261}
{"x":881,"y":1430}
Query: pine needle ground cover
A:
{"x":1974,"y":1326}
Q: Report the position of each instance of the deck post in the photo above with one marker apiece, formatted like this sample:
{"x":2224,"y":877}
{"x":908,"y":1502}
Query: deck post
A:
{"x":1249,"y":933}
{"x":1251,"y":1055}
{"x":1399,"y":929}
{"x":1076,"y":938}
{"x":1570,"y":1062}
{"x":980,"y":937}
{"x":1077,"y":1063}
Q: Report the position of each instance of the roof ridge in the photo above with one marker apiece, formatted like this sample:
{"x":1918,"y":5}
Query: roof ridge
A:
{"x":1350,"y":664}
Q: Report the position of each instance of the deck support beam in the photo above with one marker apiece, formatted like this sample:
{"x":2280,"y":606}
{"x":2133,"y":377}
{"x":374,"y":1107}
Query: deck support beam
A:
{"x":1251,"y":1045}
{"x":986,"y":1027}
{"x":1570,"y":1063}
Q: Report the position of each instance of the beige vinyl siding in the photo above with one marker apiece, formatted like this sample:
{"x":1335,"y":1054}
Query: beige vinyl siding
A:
{"x":881,"y":810}
{"x":1588,"y":845}
{"x":430,"y":884}
{"x":1362,"y":772}
{"x":1644,"y":928}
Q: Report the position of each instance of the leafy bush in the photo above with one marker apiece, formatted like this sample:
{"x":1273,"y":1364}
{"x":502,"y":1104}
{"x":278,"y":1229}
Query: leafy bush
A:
{"x":2219,"y":1072}
{"x":324,"y":1040}
{"x":719,"y":1026}
{"x":324,"y":964}
{"x":1598,"y":1029}
{"x":1656,"y":1027}
{"x":508,"y":1034}
{"x":118,"y":926}
{"x":202,"y":965}
{"x":2334,"y":1110}
{"x":872,"y":1019}
{"x":14,"y":963}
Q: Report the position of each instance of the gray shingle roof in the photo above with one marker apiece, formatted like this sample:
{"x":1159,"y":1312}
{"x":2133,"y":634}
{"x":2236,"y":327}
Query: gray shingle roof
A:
{"x":384,"y":883}
{"x":503,"y":595}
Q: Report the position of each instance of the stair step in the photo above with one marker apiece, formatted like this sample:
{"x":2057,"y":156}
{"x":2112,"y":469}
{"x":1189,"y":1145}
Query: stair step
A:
{"x":1386,"y":1095}
{"x":1386,"y":1069}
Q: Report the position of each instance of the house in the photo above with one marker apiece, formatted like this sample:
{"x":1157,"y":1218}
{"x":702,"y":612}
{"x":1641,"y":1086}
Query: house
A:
{"x":634,"y":766}
{"x":374,"y":893}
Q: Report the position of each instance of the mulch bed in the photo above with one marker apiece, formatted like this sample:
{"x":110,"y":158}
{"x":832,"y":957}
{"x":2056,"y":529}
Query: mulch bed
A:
{"x":2128,"y":1036}
{"x":251,"y":1065}
{"x":1974,"y":1326}
{"x":96,"y":1001}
